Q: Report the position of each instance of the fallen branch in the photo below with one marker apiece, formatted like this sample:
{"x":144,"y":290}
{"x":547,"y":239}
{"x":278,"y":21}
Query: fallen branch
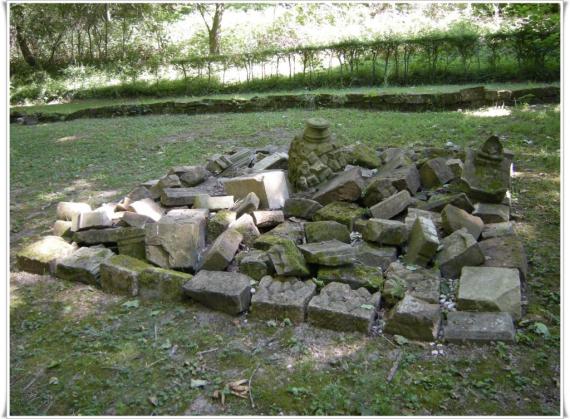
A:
{"x":156,"y":362}
{"x":395,"y":367}
{"x":38,"y":375}
{"x":251,"y":388}
{"x":206,"y":351}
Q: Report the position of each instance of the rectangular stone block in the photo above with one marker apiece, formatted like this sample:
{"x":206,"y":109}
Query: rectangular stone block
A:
{"x":91,"y":219}
{"x":271,"y":187}
{"x":162,"y":284}
{"x":464,"y":326}
{"x":423,"y":242}
{"x":214,"y":203}
{"x":40,"y":257}
{"x":172,"y":197}
{"x":329,"y":253}
{"x":83,"y":265}
{"x":392,"y":206}
{"x":119,"y":275}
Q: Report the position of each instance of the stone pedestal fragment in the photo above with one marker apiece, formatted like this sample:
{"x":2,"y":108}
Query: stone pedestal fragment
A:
{"x":92,"y":219}
{"x":462,"y":326}
{"x":246,"y":205}
{"x":173,"y":197}
{"x":277,"y":160}
{"x":268,"y":219}
{"x":423,"y":242}
{"x":414,"y":213}
{"x":493,"y":230}
{"x":40,"y":257}
{"x":271,"y":188}
{"x":282,"y":298}
{"x":190,"y":175}
{"x":62,"y":228}
{"x":219,"y":222}
{"x":438,"y":201}
{"x":414,"y":319}
{"x":378,"y":190}
{"x":371,"y":255}
{"x":357,"y":276}
{"x":246,"y":226}
{"x":419,"y":282}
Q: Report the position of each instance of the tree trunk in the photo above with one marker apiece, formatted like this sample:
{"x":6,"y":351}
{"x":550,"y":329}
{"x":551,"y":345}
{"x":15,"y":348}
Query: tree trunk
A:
{"x":23,"y":44}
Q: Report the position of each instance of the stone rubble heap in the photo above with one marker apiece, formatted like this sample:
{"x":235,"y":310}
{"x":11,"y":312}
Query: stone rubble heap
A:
{"x":364,"y":239}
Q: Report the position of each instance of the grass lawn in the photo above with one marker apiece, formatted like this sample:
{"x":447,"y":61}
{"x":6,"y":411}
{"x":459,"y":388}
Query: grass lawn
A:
{"x":75,"y":350}
{"x":94,"y":103}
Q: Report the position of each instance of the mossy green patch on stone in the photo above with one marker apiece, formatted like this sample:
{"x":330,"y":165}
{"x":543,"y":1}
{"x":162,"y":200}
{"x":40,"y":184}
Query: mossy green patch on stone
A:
{"x":356,"y":276}
{"x":342,"y":212}
{"x":394,"y":290}
{"x":162,"y":284}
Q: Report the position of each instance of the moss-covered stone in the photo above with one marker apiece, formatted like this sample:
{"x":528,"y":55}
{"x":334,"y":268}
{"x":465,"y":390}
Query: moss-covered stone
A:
{"x":363,"y":155}
{"x":319,"y":231}
{"x":39,"y":257}
{"x":342,"y":212}
{"x":394,"y":290}
{"x":288,"y":259}
{"x":119,"y":274}
{"x":218,"y":223}
{"x":162,"y":284}
{"x":356,"y":276}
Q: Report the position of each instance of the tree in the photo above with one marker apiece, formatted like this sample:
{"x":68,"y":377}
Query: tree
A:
{"x":212,"y":16}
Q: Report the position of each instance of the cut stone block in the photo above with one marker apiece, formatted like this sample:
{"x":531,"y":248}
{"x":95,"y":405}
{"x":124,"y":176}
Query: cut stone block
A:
{"x":301,"y":208}
{"x":319,"y":231}
{"x":66,"y":210}
{"x":456,"y":167}
{"x":219,"y":222}
{"x":287,"y":230}
{"x":107,"y":236}
{"x":282,"y":298}
{"x":329,"y":253}
{"x":148,"y":208}
{"x":246,"y":205}
{"x":83,"y":265}
{"x":255,"y":264}
{"x":162,"y":284}
{"x":378,"y":190}
{"x":92,"y":219}
{"x":419,"y":282}
{"x":414,"y":213}
{"x":356,"y":276}
{"x":138,"y":193}
{"x":133,"y":219}
{"x":347,"y":186}
{"x":246,"y":226}
{"x":392,"y":206}
{"x":338,"y":307}
{"x":176,"y":242}
{"x":423,"y":242}
{"x":505,"y":252}
{"x":459,"y":249}
{"x":343,"y":212}
{"x":463,"y":326}
{"x":492,"y":213}
{"x":40,"y":257}
{"x":274,"y":161}
{"x":490,"y":231}
{"x":287,"y":259}
{"x":363,"y":155}
{"x":489,"y":290}
{"x":403,"y":178}
{"x":270,"y":186}
{"x":173,"y":197}
{"x":371,"y":255}
{"x":229,"y":292}
{"x":435,"y":172}
{"x":120,"y":273}
{"x":190,"y":175}
{"x":62,"y":228}
{"x":268,"y":219}
{"x":438,"y":201}
{"x":168,"y":181}
{"x":414,"y":319}
{"x":454,"y":218}
{"x":133,"y":244}
{"x":222,"y":251}
{"x":385,"y":232}
{"x":213,"y":203}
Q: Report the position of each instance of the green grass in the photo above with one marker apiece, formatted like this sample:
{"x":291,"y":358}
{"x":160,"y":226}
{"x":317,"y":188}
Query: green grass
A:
{"x":103,"y":358}
{"x":76,"y":105}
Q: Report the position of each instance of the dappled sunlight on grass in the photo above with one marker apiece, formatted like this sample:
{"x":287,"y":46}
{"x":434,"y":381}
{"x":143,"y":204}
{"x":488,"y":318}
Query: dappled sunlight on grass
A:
{"x":69,"y":138}
{"x":490,"y":112}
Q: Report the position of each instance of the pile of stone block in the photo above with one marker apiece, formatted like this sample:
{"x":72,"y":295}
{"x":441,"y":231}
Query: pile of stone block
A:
{"x":360,"y":247}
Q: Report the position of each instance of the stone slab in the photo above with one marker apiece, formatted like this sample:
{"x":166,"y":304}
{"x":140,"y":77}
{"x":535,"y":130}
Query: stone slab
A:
{"x":462,"y":326}
{"x":270,"y":186}
{"x":40,"y":257}
{"x":83,"y":265}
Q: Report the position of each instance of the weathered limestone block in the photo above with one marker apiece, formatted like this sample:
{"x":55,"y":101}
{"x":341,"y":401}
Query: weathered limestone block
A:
{"x":281,"y":299}
{"x":301,"y":208}
{"x":338,"y":307}
{"x":270,"y":187}
{"x":219,"y":222}
{"x":255,"y":264}
{"x":107,"y":236}
{"x":148,"y":208}
{"x":346,"y":186}
{"x":287,"y":230}
{"x":246,"y":226}
{"x":120,"y":273}
{"x":222,"y":251}
{"x":268,"y":219}
{"x":277,"y":160}
{"x":487,"y":172}
{"x":246,"y":205}
{"x":287,"y":259}
{"x":419,"y":282}
{"x":378,"y":190}
{"x":438,"y":201}
{"x":406,"y":177}
{"x":162,"y":284}
{"x":176,"y":242}
{"x":173,"y":197}
{"x":138,"y":193}
{"x":459,"y":249}
{"x":371,"y":255}
{"x":505,"y":252}
{"x":319,"y":231}
{"x":313,"y":157}
{"x":490,"y":231}
{"x":213,"y":203}
{"x":490,"y":289}
{"x":414,"y":319}
{"x":435,"y":172}
{"x":168,"y":181}
{"x":132,"y":219}
{"x":40,"y":257}
{"x":343,"y":212}
{"x":454,"y":218}
{"x":133,"y":243}
{"x":456,"y":167}
{"x":357,"y":276}
{"x":385,"y":232}
{"x":362,"y":155}
{"x":62,"y":228}
{"x":414,"y":213}
{"x":329,"y":253}
{"x":391,"y":206}
{"x":229,"y":292}
{"x":190,"y":175}
{"x":462,"y":326}
{"x":492,"y":213}
{"x":423,"y":242}
{"x":83,"y":265}
{"x":66,"y":210}
{"x":92,"y":219}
